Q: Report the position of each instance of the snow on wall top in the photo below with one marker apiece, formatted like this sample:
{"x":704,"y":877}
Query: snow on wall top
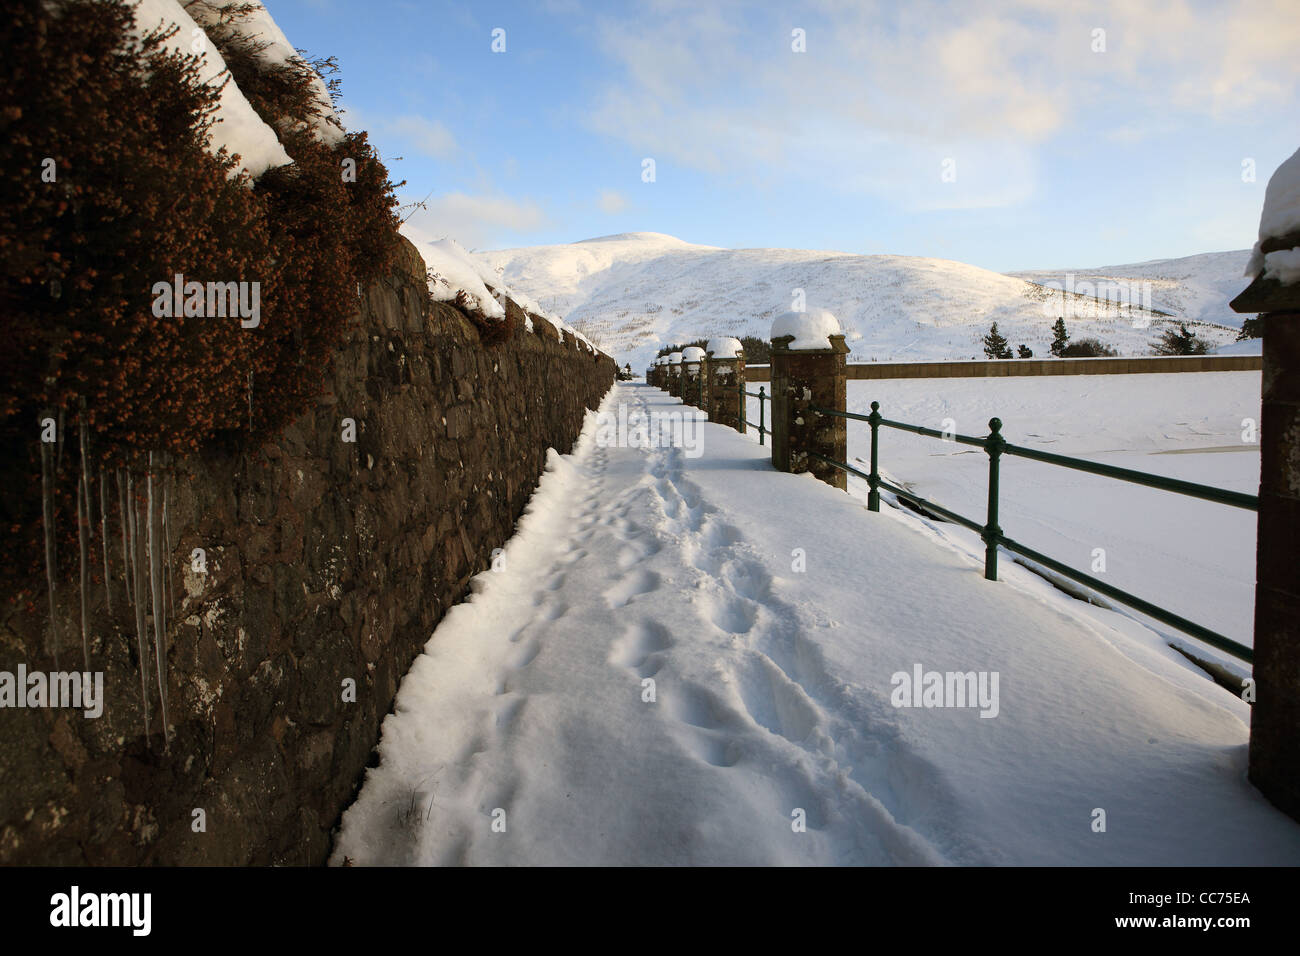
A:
{"x":1279,"y":218}
{"x":259,"y":25}
{"x":454,"y":270}
{"x":811,"y":329}
{"x":724,"y":348}
{"x":675,"y":358}
{"x":240,"y":129}
{"x":457,"y":270}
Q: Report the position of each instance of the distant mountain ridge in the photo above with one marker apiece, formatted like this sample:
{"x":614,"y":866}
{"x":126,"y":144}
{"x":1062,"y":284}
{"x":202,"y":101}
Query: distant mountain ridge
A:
{"x":632,"y":292}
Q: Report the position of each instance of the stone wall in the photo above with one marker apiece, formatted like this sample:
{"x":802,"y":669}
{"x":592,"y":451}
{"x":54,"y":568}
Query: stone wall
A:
{"x":327,"y":562}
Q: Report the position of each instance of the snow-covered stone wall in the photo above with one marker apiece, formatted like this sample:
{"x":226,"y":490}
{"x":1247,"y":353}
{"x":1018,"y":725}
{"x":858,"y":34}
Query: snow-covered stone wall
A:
{"x":328,"y":564}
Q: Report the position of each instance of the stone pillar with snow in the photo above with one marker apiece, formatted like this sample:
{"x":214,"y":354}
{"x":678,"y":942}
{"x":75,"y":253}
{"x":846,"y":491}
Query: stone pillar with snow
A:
{"x":724,"y":382}
{"x":1275,"y":295}
{"x":808,"y":370}
{"x":675,"y":374}
{"x":692,"y":371}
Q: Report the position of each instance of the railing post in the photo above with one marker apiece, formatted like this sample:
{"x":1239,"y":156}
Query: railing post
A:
{"x":725,"y":383}
{"x":873,"y":478}
{"x":762,"y":421}
{"x":808,"y":370}
{"x":992,"y":533}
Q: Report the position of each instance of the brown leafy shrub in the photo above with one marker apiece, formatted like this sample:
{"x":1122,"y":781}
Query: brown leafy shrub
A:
{"x":330,"y":213}
{"x":107,"y":187}
{"x":136,"y":198}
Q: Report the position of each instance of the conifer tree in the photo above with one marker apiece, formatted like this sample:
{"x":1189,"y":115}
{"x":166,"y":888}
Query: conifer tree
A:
{"x":995,"y":345}
{"x":1181,"y":342}
{"x":1060,"y":337}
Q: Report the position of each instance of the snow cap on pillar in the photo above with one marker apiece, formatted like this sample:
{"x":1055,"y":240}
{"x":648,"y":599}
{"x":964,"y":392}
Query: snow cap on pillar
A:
{"x":811,"y":329}
{"x":675,"y":359}
{"x":1279,"y":226}
{"x":1275,"y":261}
{"x":724,"y":348}
{"x":693,"y":355}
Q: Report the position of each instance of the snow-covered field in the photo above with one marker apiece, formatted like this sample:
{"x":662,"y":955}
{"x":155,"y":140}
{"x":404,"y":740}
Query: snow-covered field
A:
{"x":634,"y":292}
{"x":696,"y":659}
{"x":1191,"y":556}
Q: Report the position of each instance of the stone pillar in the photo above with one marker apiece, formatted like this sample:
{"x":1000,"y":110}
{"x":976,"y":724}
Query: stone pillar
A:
{"x":692,"y":369}
{"x":675,"y":378}
{"x":801,"y":379}
{"x":690,"y":389}
{"x":1275,"y":714}
{"x":725,"y":381}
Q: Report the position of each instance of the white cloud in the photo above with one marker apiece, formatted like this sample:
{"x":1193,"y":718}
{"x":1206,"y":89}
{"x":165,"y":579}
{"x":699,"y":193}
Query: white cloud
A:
{"x":477,"y":221}
{"x":426,"y":137}
{"x":884,"y":88}
{"x":611,"y":201}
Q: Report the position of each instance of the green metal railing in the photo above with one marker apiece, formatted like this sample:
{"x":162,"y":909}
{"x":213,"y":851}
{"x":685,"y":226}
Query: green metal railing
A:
{"x":763,"y":399}
{"x":996,"y":446}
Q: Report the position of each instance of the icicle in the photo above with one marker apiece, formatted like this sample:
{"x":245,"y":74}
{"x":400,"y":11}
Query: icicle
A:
{"x":103,"y":538}
{"x":58,"y":441}
{"x":85,"y":582}
{"x":127,"y":557}
{"x":85,"y":475}
{"x":47,"y":514}
{"x":169,"y":575}
{"x":83,"y":527}
{"x":133,"y":527}
{"x":155,"y":593}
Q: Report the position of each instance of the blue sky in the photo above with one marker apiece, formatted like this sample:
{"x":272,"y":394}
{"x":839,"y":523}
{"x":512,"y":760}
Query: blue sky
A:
{"x":1009,"y":135}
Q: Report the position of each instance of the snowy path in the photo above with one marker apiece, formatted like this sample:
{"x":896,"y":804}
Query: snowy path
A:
{"x":523,"y":734}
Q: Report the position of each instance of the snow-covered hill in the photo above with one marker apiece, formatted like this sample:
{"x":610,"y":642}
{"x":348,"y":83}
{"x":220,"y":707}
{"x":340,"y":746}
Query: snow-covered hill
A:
{"x":632,"y":293}
{"x":1194,"y":287}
